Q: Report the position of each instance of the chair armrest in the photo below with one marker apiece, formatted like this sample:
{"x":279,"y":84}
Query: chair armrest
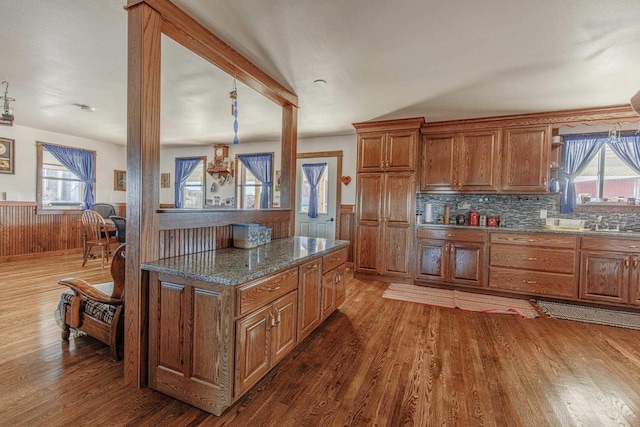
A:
{"x":83,"y":288}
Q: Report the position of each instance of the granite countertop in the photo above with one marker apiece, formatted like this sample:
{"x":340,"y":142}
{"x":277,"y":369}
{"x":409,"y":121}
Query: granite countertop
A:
{"x":541,"y":229}
{"x":234,"y":266}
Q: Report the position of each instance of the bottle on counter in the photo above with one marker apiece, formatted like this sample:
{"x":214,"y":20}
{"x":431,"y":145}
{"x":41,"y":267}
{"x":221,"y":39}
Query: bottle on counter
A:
{"x":447,"y":214}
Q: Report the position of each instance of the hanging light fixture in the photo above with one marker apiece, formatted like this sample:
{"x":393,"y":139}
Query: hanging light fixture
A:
{"x":234,"y":110}
{"x":7,"y":111}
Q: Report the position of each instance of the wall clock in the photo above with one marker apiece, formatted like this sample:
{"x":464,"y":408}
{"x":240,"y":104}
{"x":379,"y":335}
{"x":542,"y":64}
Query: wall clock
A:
{"x":220,"y":152}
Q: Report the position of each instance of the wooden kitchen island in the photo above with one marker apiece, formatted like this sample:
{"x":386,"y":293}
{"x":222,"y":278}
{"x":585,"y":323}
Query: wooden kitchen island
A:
{"x":220,"y":320}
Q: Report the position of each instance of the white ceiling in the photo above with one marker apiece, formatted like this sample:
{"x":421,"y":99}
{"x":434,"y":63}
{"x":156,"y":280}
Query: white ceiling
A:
{"x":381,"y":59}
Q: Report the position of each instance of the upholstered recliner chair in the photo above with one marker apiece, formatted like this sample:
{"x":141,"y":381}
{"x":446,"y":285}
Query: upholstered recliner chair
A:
{"x":96,"y":310}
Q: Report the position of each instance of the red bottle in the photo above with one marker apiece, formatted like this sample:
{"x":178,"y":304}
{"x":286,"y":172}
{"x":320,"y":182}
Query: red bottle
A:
{"x":474,"y":218}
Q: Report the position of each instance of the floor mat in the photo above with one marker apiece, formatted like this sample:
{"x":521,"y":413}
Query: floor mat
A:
{"x":600,"y":316}
{"x":458,"y":299}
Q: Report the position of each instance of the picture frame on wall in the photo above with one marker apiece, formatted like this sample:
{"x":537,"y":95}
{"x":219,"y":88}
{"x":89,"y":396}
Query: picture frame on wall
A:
{"x":165,"y":180}
{"x":7,"y":156}
{"x":120,"y":180}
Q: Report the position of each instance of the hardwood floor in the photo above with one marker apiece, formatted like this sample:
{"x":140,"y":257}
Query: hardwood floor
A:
{"x":374,"y":362}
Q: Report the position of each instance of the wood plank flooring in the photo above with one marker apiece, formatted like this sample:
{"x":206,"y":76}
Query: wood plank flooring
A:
{"x":374,"y":362}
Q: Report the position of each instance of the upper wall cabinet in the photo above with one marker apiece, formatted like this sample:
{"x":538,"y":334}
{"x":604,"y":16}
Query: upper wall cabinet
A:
{"x":387,"y":151}
{"x":461,"y":161}
{"x":525,"y":159}
{"x":389,"y":145}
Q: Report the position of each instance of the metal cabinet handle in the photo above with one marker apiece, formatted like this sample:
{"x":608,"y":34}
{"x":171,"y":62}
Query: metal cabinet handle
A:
{"x":278,"y":322}
{"x":626,"y":263}
{"x":273,"y":289}
{"x":532,"y":240}
{"x":635,"y":263}
{"x":529,"y":258}
{"x":529,"y":282}
{"x":311,"y":267}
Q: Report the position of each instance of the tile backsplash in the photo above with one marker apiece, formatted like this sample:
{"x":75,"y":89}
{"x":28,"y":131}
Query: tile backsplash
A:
{"x":515,"y":211}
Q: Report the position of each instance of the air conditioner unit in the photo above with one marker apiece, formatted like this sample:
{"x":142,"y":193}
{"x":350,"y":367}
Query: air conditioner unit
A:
{"x":7,"y":120}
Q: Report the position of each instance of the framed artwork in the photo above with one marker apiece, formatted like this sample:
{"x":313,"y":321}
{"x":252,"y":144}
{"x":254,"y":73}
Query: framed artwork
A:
{"x":120,"y":180}
{"x":165,"y":180}
{"x":7,"y":156}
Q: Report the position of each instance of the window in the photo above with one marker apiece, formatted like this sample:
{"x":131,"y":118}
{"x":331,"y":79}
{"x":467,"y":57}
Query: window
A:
{"x":607,"y":178}
{"x":323,"y":192}
{"x":57,"y":187}
{"x":250,"y":188}
{"x":193,"y":187}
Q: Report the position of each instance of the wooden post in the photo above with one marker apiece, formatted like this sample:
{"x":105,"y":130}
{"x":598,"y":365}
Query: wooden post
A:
{"x":288,"y":161}
{"x":143,"y":164}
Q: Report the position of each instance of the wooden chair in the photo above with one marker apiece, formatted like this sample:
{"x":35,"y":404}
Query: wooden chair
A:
{"x":97,"y":234}
{"x":121,"y":227}
{"x":104,"y":209}
{"x":94,"y":312}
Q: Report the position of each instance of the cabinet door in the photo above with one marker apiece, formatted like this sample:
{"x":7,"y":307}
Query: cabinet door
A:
{"x":309,"y":294}
{"x":371,"y":152}
{"x":604,"y":276}
{"x":283,"y":335}
{"x":478,"y":161}
{"x":341,"y":273}
{"x":525,"y":159}
{"x":328,"y":294}
{"x":634,"y":296}
{"x":253,"y":351}
{"x":437,"y":162}
{"x":401,"y":151}
{"x":432,"y":263}
{"x":369,"y":217}
{"x":466,"y":263}
{"x":400,"y":204}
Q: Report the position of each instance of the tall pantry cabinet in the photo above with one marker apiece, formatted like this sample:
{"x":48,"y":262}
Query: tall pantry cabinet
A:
{"x":386,"y":198}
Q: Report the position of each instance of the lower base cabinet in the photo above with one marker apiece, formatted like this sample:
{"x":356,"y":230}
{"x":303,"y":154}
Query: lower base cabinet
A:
{"x":209,"y":343}
{"x":333,"y":290}
{"x":610,"y":271}
{"x":263,"y":339}
{"x":451,"y":256}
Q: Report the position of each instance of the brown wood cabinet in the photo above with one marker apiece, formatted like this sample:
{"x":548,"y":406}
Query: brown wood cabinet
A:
{"x":455,"y":256}
{"x":263,"y":339}
{"x":183,"y":330}
{"x":333,"y":286}
{"x":460,"y":161}
{"x":525,"y":159}
{"x":309,"y":297}
{"x":385,"y":215}
{"x":534,"y":263}
{"x":387,"y":151}
{"x":610,"y":270}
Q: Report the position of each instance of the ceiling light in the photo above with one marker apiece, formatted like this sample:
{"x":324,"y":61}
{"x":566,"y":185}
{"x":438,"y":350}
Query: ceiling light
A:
{"x":84,"y":107}
{"x":320,"y":82}
{"x":7,"y":111}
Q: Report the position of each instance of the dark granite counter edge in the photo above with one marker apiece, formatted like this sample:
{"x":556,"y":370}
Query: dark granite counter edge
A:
{"x":613,"y":233}
{"x":256,"y":274}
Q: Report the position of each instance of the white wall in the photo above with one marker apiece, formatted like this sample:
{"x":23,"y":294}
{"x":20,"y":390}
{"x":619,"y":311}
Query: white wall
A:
{"x":22,"y":185}
{"x":112,"y":157}
{"x":346,"y":143}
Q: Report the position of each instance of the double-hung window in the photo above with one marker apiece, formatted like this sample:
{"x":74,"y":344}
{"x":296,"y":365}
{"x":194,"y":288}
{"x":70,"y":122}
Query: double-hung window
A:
{"x":57,"y":186}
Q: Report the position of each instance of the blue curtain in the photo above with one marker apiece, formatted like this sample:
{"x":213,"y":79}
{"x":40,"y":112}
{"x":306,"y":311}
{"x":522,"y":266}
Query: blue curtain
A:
{"x":260,"y":166}
{"x":313,"y":172}
{"x":184,"y":168}
{"x":81,"y":163}
{"x":627,"y":147}
{"x":577,"y":152}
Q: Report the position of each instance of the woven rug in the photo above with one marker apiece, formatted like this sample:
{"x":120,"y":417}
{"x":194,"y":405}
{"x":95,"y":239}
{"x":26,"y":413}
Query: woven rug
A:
{"x":600,"y":316}
{"x":463,"y":300}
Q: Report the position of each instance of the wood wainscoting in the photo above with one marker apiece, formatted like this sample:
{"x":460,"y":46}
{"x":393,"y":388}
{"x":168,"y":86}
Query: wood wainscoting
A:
{"x":347,"y":230}
{"x":26,"y":232}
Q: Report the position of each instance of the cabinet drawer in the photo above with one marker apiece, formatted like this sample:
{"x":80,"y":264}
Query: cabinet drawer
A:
{"x":334,"y":259}
{"x":604,"y":244}
{"x":459,"y":234}
{"x":264,"y":291}
{"x":550,"y":240}
{"x":539,"y":283}
{"x":533,"y":258}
